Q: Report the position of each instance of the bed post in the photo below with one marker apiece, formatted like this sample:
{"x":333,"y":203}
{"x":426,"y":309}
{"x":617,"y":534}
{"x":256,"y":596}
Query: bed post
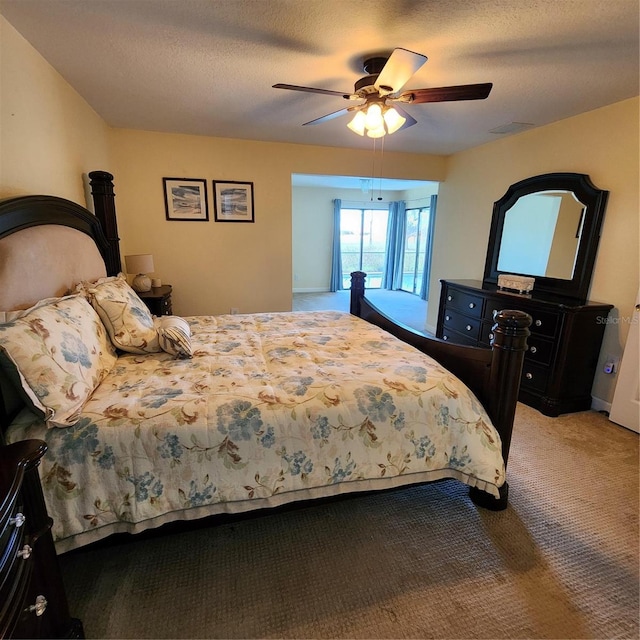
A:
{"x":105,"y":210}
{"x":509,"y":346}
{"x":357,"y":291}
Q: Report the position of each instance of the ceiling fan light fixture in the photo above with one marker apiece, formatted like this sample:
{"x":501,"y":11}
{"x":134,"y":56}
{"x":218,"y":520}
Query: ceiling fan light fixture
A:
{"x":373,"y":118}
{"x":376,"y":133}
{"x":357,"y":125}
{"x":393,"y":120}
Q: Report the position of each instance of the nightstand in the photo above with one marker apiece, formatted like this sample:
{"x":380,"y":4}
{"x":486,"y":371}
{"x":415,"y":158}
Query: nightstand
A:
{"x":33,"y":603}
{"x":158,"y":300}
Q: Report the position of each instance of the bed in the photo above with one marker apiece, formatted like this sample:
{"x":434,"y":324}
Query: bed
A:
{"x":225,"y":414}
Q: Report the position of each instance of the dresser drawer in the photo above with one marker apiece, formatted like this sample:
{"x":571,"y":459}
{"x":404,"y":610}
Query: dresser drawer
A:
{"x":539,"y":350}
{"x":467,"y":302}
{"x":458,"y":338}
{"x":486,"y":333}
{"x":460,"y":323}
{"x":544,"y":322}
{"x":534,"y":377}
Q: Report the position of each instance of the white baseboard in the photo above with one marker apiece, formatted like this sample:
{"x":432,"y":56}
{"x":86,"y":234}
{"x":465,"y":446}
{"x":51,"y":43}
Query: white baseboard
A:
{"x":600,"y":405}
{"x":311,"y":290}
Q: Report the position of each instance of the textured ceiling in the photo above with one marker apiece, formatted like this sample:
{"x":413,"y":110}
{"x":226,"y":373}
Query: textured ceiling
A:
{"x":207,"y":66}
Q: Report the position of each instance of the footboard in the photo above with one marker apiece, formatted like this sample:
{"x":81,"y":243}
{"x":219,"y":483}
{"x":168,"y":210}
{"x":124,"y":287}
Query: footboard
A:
{"x":492,"y":374}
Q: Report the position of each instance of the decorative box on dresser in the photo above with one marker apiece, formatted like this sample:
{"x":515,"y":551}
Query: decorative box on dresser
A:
{"x":158,"y":300}
{"x":564,"y":345}
{"x":33,"y":602}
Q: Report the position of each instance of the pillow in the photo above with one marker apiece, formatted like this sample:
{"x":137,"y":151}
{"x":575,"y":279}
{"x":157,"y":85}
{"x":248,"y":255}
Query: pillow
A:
{"x":126,"y":318}
{"x":9,"y":316}
{"x":58,"y":353}
{"x":174,"y":335}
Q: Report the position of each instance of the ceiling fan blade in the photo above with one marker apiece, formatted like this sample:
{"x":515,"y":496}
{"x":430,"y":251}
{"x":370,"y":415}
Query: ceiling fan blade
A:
{"x":328,"y":92}
{"x":399,"y":68}
{"x":329,"y":116}
{"x":447,"y":94}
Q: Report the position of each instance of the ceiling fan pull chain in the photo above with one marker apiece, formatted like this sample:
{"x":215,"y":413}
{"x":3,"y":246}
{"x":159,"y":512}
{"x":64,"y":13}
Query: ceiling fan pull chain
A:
{"x":380,"y":175}
{"x":373,"y":171}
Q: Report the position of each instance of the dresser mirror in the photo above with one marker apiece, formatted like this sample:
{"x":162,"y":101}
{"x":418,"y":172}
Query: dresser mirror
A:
{"x":547,"y":227}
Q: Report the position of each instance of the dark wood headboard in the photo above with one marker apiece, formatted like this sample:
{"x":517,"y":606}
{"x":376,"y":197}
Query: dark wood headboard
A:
{"x":29,"y":212}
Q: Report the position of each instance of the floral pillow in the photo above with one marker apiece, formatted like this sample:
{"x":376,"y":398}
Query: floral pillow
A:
{"x":58,"y":353}
{"x":126,"y":318}
{"x":174,"y":335}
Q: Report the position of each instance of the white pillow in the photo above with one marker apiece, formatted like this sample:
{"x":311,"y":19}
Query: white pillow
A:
{"x":58,"y":352}
{"x":174,"y":335}
{"x":9,"y":316}
{"x":126,"y":318}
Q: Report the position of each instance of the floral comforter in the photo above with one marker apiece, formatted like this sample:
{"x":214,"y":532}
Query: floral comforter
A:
{"x":272,"y":408}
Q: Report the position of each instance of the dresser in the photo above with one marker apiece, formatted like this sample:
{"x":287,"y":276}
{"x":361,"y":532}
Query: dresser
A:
{"x":564,"y":345}
{"x":158,"y":300}
{"x":33,"y":603}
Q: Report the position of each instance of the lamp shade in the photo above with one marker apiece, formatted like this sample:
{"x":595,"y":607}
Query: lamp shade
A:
{"x":139,"y":263}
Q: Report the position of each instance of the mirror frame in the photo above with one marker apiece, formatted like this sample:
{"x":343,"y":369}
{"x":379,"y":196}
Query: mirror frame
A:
{"x":595,"y":201}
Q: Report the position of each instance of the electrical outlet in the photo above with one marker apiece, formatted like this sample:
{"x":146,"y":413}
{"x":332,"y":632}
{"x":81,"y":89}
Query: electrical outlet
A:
{"x":235,"y":311}
{"x":611,"y":364}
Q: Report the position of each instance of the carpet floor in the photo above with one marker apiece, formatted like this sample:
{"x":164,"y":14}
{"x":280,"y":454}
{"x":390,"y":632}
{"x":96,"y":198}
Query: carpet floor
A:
{"x":400,"y":305}
{"x":423,"y":562}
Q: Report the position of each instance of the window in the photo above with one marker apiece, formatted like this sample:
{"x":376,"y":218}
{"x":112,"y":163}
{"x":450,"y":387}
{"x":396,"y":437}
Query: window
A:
{"x":363,"y":236}
{"x":416,"y":244}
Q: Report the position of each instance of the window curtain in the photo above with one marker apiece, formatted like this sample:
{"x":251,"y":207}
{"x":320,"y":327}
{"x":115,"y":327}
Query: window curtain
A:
{"x":394,"y":251}
{"x":336,"y":261}
{"x":426,"y":275}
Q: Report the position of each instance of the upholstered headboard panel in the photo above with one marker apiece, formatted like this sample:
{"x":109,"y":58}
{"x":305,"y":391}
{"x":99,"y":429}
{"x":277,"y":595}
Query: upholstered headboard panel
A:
{"x":47,"y":245}
{"x":45,"y":261}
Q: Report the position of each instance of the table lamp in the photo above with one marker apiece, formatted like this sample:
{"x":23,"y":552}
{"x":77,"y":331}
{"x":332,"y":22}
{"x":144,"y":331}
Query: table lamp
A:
{"x":140,"y":264}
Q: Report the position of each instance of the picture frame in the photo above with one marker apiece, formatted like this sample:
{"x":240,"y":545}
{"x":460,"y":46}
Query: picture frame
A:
{"x":186,"y":199}
{"x":233,"y":201}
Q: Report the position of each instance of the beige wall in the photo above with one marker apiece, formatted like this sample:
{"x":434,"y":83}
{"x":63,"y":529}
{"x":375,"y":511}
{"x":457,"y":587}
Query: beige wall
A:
{"x":215,"y":266}
{"x":603,"y":144}
{"x":49,"y":136}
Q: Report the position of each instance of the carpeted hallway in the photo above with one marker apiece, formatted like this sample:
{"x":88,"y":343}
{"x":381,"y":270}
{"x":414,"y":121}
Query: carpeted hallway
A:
{"x":424,"y":562}
{"x":400,"y":305}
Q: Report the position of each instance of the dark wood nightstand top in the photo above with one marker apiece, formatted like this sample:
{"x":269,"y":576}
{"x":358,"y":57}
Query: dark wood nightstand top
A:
{"x":157,"y":292}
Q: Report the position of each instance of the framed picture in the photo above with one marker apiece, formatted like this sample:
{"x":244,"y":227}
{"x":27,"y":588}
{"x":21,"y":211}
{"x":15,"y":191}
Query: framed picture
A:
{"x":233,"y":201}
{"x":185,"y":199}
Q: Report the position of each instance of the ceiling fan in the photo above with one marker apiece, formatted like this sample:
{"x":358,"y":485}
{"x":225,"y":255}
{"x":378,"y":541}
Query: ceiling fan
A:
{"x":381,"y":90}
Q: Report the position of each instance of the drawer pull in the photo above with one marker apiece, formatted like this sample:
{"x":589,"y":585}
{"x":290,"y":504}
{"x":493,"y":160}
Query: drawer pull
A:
{"x":445,"y":337}
{"x":538,"y":323}
{"x":447,"y":317}
{"x":528,"y":376}
{"x":25,"y":552}
{"x":449,"y":298}
{"x":533,"y":349}
{"x":18,"y":521}
{"x":468,"y":327}
{"x":472,"y":305}
{"x":39,"y":607}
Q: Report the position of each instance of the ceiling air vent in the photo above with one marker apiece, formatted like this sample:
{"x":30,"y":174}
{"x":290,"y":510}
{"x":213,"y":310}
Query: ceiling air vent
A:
{"x":512,"y":127}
